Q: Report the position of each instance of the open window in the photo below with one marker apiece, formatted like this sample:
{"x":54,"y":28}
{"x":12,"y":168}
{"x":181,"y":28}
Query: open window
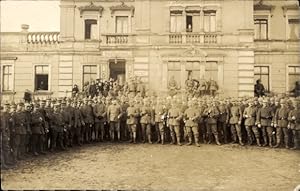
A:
{"x":90,"y":29}
{"x":41,"y":78}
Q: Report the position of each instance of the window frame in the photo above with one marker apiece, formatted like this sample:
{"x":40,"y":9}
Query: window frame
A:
{"x":34,"y":77}
{"x":2,"y":76}
{"x":210,"y":11}
{"x":288,"y":74}
{"x":270,"y":76}
{"x":91,"y":17}
{"x":288,"y":30}
{"x":90,"y":25}
{"x":260,"y":15}
{"x":116,"y":24}
{"x":82,"y":70}
{"x":260,"y":32}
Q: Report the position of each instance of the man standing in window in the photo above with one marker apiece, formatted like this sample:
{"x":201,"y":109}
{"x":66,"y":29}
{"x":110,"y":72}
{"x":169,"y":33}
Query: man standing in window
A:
{"x":259,"y":89}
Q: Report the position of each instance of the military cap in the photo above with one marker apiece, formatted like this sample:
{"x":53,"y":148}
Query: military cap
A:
{"x":36,"y":105}
{"x":43,"y":102}
{"x":69,"y":100}
{"x":63,"y":103}
{"x":56,"y":105}
{"x":21,"y":104}
{"x":282,"y":101}
{"x":266,"y":100}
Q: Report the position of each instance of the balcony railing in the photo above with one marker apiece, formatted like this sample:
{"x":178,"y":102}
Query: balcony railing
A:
{"x":112,"y":39}
{"x":43,"y":37}
{"x":191,"y":38}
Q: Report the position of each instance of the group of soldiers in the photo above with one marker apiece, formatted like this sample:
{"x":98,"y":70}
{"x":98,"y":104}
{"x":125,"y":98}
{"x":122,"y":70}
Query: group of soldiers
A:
{"x":111,"y":87}
{"x":45,"y":126}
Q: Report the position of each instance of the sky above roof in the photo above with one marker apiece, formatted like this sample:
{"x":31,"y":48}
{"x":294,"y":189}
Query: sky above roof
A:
{"x":40,"y":15}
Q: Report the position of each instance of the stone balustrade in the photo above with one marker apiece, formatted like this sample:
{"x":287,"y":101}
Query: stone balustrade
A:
{"x":193,"y":38}
{"x":43,"y":37}
{"x":111,"y":39}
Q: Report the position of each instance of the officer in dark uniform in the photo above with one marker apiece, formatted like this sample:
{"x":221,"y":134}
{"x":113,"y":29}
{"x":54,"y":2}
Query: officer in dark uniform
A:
{"x":281,"y":123}
{"x":99,"y":111}
{"x":212,"y":114}
{"x":78,"y":123}
{"x":57,"y":125}
{"x":294,"y":124}
{"x":37,"y":129}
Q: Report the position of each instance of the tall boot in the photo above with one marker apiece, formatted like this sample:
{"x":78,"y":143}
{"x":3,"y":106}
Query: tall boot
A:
{"x":134,"y":137}
{"x":190,"y":140}
{"x":112,"y":136}
{"x":178,"y":141}
{"x":149,"y":139}
{"x":258,"y":142}
{"x":197,"y":141}
{"x":241,"y":142}
{"x":158,"y":138}
{"x":209,"y":138}
{"x":162,"y":139}
{"x":172,"y":139}
{"x":265,"y":141}
{"x":217,"y":140}
{"x":286,"y":143}
{"x":250,"y":141}
{"x":270,"y":141}
{"x":234,"y":139}
{"x":130,"y":138}
{"x":278,"y":141}
{"x":119,"y":136}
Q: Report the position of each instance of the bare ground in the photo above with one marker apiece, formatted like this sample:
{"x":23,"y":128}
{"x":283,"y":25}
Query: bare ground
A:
{"x":159,"y":167}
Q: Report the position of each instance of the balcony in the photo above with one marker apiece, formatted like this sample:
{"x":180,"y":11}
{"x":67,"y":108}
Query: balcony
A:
{"x":194,"y":38}
{"x":43,"y":38}
{"x":117,"y":39}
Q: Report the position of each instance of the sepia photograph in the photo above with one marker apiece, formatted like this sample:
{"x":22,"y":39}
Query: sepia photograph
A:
{"x":173,"y":95}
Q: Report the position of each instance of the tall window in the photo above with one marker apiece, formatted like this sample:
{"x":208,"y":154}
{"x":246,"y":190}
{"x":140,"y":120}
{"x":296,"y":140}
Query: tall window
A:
{"x":189,"y":23}
{"x":261,"y":29}
{"x":294,"y":29}
{"x":89,"y":73}
{"x":210,"y":21}
{"x":174,"y":71}
{"x":7,"y":78}
{"x":176,"y":22}
{"x":293,"y":76}
{"x":90,"y":27}
{"x":211,"y":71}
{"x":262,"y":73}
{"x":121,"y":24}
{"x":41,"y":77}
{"x":193,"y":68}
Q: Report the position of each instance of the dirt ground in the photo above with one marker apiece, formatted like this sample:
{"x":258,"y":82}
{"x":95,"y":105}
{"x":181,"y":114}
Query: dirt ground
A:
{"x":159,"y":167}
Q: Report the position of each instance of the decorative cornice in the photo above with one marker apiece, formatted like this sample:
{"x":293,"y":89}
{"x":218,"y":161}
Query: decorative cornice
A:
{"x":8,"y":58}
{"x":90,"y":7}
{"x":193,"y":9}
{"x":286,"y":8}
{"x":122,"y":7}
{"x":260,"y":6}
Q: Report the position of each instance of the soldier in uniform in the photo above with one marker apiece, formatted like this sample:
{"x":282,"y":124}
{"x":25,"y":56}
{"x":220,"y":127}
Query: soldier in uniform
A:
{"x":20,"y":132}
{"x":78,"y":123}
{"x":264,"y":120}
{"x":146,"y":121}
{"x":222,"y":121}
{"x":99,"y":111}
{"x":37,"y":130}
{"x":6,"y":160}
{"x":212,"y":113}
{"x":132,"y":114}
{"x":114,"y":114}
{"x":294,"y":124}
{"x":160,"y":114}
{"x":174,"y":116}
{"x":202,"y":122}
{"x":281,"y":123}
{"x":27,"y":140}
{"x":57,"y":125}
{"x":48,"y":130}
{"x":191,"y":116}
{"x":70,"y":122}
{"x":88,"y":116}
{"x":250,"y":117}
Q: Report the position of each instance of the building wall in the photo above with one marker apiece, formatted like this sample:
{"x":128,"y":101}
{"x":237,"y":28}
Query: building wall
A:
{"x":147,"y":50}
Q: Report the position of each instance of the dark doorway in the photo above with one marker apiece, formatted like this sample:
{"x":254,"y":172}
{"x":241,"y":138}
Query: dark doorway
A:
{"x":117,"y":70}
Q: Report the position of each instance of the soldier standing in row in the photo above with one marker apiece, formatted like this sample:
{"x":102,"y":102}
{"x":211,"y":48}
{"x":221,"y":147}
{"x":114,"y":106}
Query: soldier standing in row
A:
{"x":212,"y":113}
{"x":175,"y":116}
{"x":132,"y":114}
{"x":99,"y":111}
{"x":236,"y":115}
{"x":114,"y":114}
{"x":250,"y":116}
{"x":78,"y":123}
{"x":191,"y":117}
{"x":222,"y":121}
{"x":264,"y":120}
{"x":160,"y":115}
{"x":146,"y":121}
{"x":281,"y":123}
{"x":57,"y":124}
{"x":294,"y":124}
{"x":37,"y":130}
{"x":88,"y":116}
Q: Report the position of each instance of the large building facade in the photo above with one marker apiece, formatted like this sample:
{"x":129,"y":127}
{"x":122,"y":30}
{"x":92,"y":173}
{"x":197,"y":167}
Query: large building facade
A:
{"x":234,"y":42}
